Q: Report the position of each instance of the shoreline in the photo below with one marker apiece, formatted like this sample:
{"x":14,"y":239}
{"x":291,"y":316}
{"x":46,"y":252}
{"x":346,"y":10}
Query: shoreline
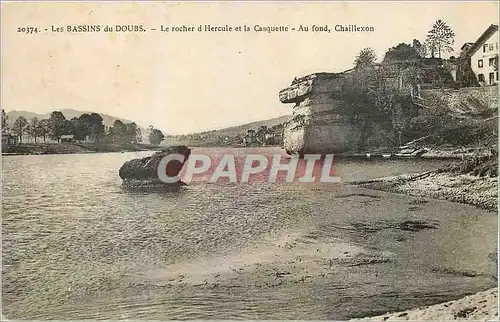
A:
{"x":265,"y":271}
{"x":61,"y":148}
{"x":74,"y":148}
{"x":82,"y":152}
{"x":481,"y":306}
{"x":479,"y":191}
{"x":468,"y":182}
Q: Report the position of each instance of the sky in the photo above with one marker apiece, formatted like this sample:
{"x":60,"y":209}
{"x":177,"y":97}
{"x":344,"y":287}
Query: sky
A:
{"x":185,"y":82}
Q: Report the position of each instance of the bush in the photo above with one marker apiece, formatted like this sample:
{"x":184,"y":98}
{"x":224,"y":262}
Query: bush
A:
{"x":479,"y":165}
{"x":443,"y":128}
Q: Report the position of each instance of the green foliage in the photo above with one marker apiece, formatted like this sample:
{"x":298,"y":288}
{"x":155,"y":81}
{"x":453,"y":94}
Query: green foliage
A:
{"x":366,"y":57}
{"x":80,"y":128}
{"x":440,"y":39}
{"x":155,"y":136}
{"x":374,"y":104}
{"x":43,"y":129}
{"x":34,"y":128}
{"x":403,"y":52}
{"x":133,"y":133}
{"x":87,"y":127}
{"x":5,"y":119}
{"x":442,"y":127}
{"x":57,"y":125}
{"x":419,"y":48}
{"x":478,"y":165}
{"x":124,"y":133}
{"x":20,"y":127}
{"x":438,"y":76}
{"x":94,"y":122}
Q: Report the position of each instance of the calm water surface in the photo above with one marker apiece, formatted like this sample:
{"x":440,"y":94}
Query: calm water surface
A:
{"x":75,"y":245}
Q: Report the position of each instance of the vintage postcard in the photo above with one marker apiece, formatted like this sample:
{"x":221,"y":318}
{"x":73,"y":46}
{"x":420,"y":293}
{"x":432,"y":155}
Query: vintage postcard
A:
{"x":333,"y":160}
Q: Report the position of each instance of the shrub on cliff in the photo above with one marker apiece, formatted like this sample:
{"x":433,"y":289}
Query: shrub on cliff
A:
{"x":442,"y":127}
{"x":479,"y":165}
{"x":373,"y":103}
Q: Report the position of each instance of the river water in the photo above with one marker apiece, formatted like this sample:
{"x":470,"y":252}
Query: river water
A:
{"x":75,"y":245}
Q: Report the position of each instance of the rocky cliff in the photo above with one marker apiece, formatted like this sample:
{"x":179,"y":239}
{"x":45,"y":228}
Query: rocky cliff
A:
{"x":317,"y":126}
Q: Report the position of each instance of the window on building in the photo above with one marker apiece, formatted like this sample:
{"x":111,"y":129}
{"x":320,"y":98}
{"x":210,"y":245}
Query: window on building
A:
{"x":491,"y":62}
{"x":480,"y":63}
{"x":497,"y":74}
{"x":480,"y":77}
{"x":492,"y":47}
{"x":485,"y":46}
{"x":492,"y":78}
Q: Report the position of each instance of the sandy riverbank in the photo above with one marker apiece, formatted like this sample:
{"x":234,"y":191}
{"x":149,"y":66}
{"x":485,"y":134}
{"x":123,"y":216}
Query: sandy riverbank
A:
{"x":482,"y":306}
{"x":463,"y":188}
{"x":473,"y":183}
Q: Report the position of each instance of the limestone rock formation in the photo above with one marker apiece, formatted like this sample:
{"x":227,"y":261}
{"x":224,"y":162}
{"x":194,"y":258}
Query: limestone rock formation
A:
{"x":142,"y":173}
{"x":317,"y":125}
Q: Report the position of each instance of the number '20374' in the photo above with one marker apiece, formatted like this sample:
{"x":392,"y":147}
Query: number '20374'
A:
{"x":27,"y":30}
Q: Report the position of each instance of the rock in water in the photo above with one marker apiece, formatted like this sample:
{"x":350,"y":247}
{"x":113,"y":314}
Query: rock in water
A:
{"x":142,"y":173}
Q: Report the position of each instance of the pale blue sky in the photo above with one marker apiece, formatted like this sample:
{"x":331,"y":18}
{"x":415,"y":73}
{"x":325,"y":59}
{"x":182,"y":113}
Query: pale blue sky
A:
{"x":193,"y":82}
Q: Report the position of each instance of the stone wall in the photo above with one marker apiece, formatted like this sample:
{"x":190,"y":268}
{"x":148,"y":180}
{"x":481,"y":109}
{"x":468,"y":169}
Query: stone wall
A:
{"x":469,"y":100}
{"x":317,"y":125}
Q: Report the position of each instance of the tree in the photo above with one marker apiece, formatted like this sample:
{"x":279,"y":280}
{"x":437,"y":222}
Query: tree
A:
{"x":43,"y":129}
{"x":401,"y":52}
{"x":68,"y":127}
{"x":430,"y":46}
{"x":156,"y":136}
{"x":33,"y":128}
{"x":80,"y":129}
{"x":419,"y":48}
{"x":133,"y":133}
{"x":125,"y":133}
{"x":440,"y":39}
{"x":92,"y":123}
{"x":96,"y":126}
{"x":118,"y":131}
{"x":261,"y":133}
{"x":57,"y":125}
{"x":138,"y":135}
{"x":20,"y":127}
{"x":5,"y":120}
{"x":377,"y":108}
{"x":365,"y":58}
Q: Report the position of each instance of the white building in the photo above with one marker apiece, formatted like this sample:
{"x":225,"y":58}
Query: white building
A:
{"x":484,"y":57}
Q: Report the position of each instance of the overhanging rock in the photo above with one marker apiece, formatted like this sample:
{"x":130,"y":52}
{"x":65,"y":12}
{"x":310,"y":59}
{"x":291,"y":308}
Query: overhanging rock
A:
{"x":318,"y":125}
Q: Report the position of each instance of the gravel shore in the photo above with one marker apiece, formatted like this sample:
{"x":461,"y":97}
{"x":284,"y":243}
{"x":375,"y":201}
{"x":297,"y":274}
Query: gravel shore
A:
{"x":482,"y":306}
{"x":468,"y":188}
{"x":463,"y":188}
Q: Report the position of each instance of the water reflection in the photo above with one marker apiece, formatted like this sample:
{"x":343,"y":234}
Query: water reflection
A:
{"x":76,"y":245}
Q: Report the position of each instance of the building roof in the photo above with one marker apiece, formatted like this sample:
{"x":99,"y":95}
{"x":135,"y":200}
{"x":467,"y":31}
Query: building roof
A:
{"x":467,"y":44}
{"x":67,"y":136}
{"x":482,"y":39}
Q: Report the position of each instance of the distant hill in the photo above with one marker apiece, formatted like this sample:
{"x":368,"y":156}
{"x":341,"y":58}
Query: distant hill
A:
{"x":241,"y":129}
{"x":107,"y":120}
{"x":229,"y":136}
